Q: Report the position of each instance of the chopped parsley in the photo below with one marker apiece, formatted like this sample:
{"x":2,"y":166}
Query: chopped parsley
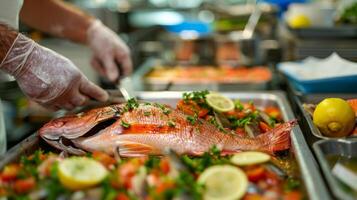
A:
{"x":192,"y":119}
{"x":291,"y":184}
{"x":164,"y":109}
{"x":198,"y":96}
{"x":213,"y":121}
{"x":199,"y":164}
{"x":130,"y":105}
{"x":125,"y":125}
{"x":171,"y":123}
{"x":238,"y":105}
{"x":245,"y":120}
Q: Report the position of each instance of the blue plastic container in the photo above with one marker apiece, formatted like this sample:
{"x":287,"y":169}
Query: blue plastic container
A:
{"x":345,"y":84}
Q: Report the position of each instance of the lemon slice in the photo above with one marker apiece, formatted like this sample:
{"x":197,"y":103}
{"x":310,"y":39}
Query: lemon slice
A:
{"x":78,"y":173}
{"x":219,"y":102}
{"x":250,"y":158}
{"x":223,"y":182}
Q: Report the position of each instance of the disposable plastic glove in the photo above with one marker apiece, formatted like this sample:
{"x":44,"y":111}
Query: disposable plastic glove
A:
{"x":47,"y":77}
{"x":108,"y":50}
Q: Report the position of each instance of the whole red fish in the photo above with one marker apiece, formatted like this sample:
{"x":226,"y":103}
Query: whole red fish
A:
{"x":151,"y":129}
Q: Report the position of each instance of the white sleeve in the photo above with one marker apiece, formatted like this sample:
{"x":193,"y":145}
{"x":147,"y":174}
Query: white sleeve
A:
{"x":9,"y":12}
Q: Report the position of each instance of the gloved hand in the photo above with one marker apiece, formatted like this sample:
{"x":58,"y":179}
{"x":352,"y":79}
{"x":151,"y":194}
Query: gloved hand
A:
{"x":108,"y":50}
{"x":47,"y":77}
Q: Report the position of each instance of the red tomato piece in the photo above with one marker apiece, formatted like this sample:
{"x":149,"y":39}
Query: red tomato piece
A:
{"x":163,"y":186}
{"x":10,"y":172}
{"x":24,"y":185}
{"x":264,"y":127}
{"x":103,"y":158}
{"x":256,"y":173}
{"x":122,"y":196}
{"x":240,"y":132}
{"x":192,"y":108}
{"x":293,"y":195}
{"x":126,"y":173}
{"x":165,"y":166}
{"x":273,"y":112}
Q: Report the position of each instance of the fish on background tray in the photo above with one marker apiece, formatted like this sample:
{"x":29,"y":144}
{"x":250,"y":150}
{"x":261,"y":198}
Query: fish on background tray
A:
{"x":209,"y":74}
{"x":139,"y":129}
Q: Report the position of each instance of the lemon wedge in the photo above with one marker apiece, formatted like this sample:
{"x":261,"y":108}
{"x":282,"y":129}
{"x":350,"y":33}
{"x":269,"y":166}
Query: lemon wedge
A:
{"x":78,"y":173}
{"x":219,"y":102}
{"x":223,"y":182}
{"x":249,"y":158}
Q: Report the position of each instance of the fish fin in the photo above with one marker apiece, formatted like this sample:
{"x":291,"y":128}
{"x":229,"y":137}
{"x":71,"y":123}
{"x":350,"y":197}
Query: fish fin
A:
{"x":133,"y":149}
{"x":277,"y":139}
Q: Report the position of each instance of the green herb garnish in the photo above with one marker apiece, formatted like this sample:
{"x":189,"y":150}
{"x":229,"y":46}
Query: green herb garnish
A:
{"x":238,"y":105}
{"x":192,"y":119}
{"x":125,"y":125}
{"x":171,"y":123}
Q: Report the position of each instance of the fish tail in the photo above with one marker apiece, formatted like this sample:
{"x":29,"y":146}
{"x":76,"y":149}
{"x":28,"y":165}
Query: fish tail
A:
{"x":277,"y":139}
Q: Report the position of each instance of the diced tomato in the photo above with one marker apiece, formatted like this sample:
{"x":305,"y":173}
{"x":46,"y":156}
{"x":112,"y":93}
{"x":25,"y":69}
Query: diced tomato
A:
{"x":292,"y":195}
{"x":165,"y":166}
{"x":250,"y":106}
{"x":104,"y":158}
{"x":255,"y":173}
{"x":163,"y":186}
{"x":192,"y":108}
{"x":264,"y":127}
{"x":10,"y":172}
{"x":126,"y":173}
{"x":240,"y":132}
{"x":24,"y":185}
{"x":273,"y":112}
{"x":236,"y":114}
{"x":3,"y":192}
{"x":353,"y":104}
{"x":253,"y":197}
{"x":122,"y":196}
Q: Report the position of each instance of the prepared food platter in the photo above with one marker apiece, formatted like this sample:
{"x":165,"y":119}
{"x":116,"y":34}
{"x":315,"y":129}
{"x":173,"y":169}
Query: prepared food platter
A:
{"x":154,"y":75}
{"x":168,"y":145}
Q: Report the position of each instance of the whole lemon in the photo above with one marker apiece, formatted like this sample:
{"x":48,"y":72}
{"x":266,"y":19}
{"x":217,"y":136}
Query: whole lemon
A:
{"x":334,"y":117}
{"x":299,"y":21}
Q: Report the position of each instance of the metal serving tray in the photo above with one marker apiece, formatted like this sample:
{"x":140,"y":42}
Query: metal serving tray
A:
{"x":142,"y":85}
{"x":313,"y":182}
{"x":325,"y":148}
{"x":314,"y":99}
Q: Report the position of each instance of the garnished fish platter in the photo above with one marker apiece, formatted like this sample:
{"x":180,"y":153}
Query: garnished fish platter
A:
{"x":168,"y":145}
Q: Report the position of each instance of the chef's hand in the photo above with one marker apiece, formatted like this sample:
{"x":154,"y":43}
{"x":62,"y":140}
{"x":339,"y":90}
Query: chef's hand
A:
{"x":47,"y":77}
{"x":108,"y":50}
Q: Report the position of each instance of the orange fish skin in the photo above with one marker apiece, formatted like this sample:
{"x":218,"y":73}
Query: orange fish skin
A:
{"x":152,"y":131}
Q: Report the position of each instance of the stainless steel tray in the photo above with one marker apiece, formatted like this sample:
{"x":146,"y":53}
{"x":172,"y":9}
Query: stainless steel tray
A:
{"x":142,"y":85}
{"x":310,"y":174}
{"x":325,"y":148}
{"x":314,"y":99}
